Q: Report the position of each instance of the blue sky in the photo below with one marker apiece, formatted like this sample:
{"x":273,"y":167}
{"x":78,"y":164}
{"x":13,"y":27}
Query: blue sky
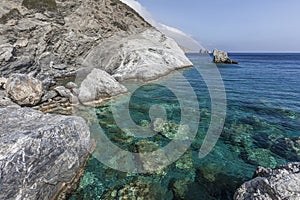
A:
{"x":233,"y":25}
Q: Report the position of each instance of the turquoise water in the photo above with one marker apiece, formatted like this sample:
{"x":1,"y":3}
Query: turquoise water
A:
{"x":262,"y":127}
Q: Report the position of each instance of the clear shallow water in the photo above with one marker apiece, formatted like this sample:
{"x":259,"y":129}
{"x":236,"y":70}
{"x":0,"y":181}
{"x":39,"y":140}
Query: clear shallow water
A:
{"x":262,"y":128}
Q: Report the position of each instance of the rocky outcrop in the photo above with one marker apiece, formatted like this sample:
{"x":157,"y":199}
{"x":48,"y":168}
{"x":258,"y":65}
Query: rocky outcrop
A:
{"x":40,"y":154}
{"x":52,"y":39}
{"x":144,"y":56}
{"x":24,"y":89}
{"x":272,"y":184}
{"x":222,"y":57}
{"x":204,"y":51}
{"x":99,"y":85}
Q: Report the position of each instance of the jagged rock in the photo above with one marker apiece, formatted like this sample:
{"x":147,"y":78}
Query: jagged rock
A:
{"x":144,"y":56}
{"x":49,"y":95}
{"x":63,"y":92}
{"x":99,"y":85}
{"x":40,"y":154}
{"x":272,"y":184}
{"x":24,"y":89}
{"x":222,"y":57}
{"x":2,"y":82}
{"x":6,"y":51}
{"x":59,"y":66}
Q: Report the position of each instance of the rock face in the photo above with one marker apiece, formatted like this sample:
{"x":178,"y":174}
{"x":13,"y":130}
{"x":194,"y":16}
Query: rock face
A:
{"x":41,"y":36}
{"x":40,"y":154}
{"x":53,"y":38}
{"x":272,"y":184}
{"x":222,"y":57}
{"x":24,"y":89}
{"x":143,"y":56}
{"x":98,"y":85}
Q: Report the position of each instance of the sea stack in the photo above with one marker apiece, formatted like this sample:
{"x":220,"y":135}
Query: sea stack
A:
{"x":204,"y":51}
{"x":221,"y":57}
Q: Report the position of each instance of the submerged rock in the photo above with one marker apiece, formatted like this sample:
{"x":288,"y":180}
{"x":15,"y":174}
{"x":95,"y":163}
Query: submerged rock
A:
{"x":141,"y":190}
{"x":222,"y":57}
{"x":270,"y":184}
{"x":40,"y":154}
{"x":24,"y":89}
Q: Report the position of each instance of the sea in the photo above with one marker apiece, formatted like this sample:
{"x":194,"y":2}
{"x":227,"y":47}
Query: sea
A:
{"x":259,"y":125}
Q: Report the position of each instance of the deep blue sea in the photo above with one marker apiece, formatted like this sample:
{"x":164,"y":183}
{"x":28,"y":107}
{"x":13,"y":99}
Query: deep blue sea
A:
{"x":262,"y":128}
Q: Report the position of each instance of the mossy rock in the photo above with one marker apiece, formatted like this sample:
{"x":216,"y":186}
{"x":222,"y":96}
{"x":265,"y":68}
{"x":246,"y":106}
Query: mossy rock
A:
{"x":41,"y":5}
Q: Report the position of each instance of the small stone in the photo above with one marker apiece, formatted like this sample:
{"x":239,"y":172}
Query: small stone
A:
{"x":63,"y":92}
{"x":49,"y":95}
{"x":21,"y":43}
{"x":60,"y":66}
{"x":158,"y":124}
{"x":24,"y":89}
{"x":71,"y":85}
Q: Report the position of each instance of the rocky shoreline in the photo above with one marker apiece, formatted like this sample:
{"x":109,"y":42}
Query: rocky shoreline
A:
{"x":99,"y":44}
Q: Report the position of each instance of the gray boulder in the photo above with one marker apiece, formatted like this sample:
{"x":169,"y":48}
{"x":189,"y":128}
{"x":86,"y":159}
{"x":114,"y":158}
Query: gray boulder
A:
{"x":222,"y":57}
{"x":24,"y":89}
{"x":99,"y":85}
{"x":40,"y":154}
{"x":272,"y":184}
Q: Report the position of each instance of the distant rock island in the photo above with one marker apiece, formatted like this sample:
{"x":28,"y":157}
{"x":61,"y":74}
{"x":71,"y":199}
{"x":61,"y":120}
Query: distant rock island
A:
{"x":204,"y":51}
{"x":221,"y":57}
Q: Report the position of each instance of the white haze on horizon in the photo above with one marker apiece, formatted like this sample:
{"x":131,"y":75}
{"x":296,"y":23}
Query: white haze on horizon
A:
{"x":183,"y":39}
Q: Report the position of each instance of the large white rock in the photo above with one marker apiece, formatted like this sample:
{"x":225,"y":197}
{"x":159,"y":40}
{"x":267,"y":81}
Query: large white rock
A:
{"x":99,"y":85}
{"x":144,"y":56}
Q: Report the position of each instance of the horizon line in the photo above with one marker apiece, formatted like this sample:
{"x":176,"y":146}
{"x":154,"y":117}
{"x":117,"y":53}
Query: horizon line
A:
{"x":263,"y":51}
